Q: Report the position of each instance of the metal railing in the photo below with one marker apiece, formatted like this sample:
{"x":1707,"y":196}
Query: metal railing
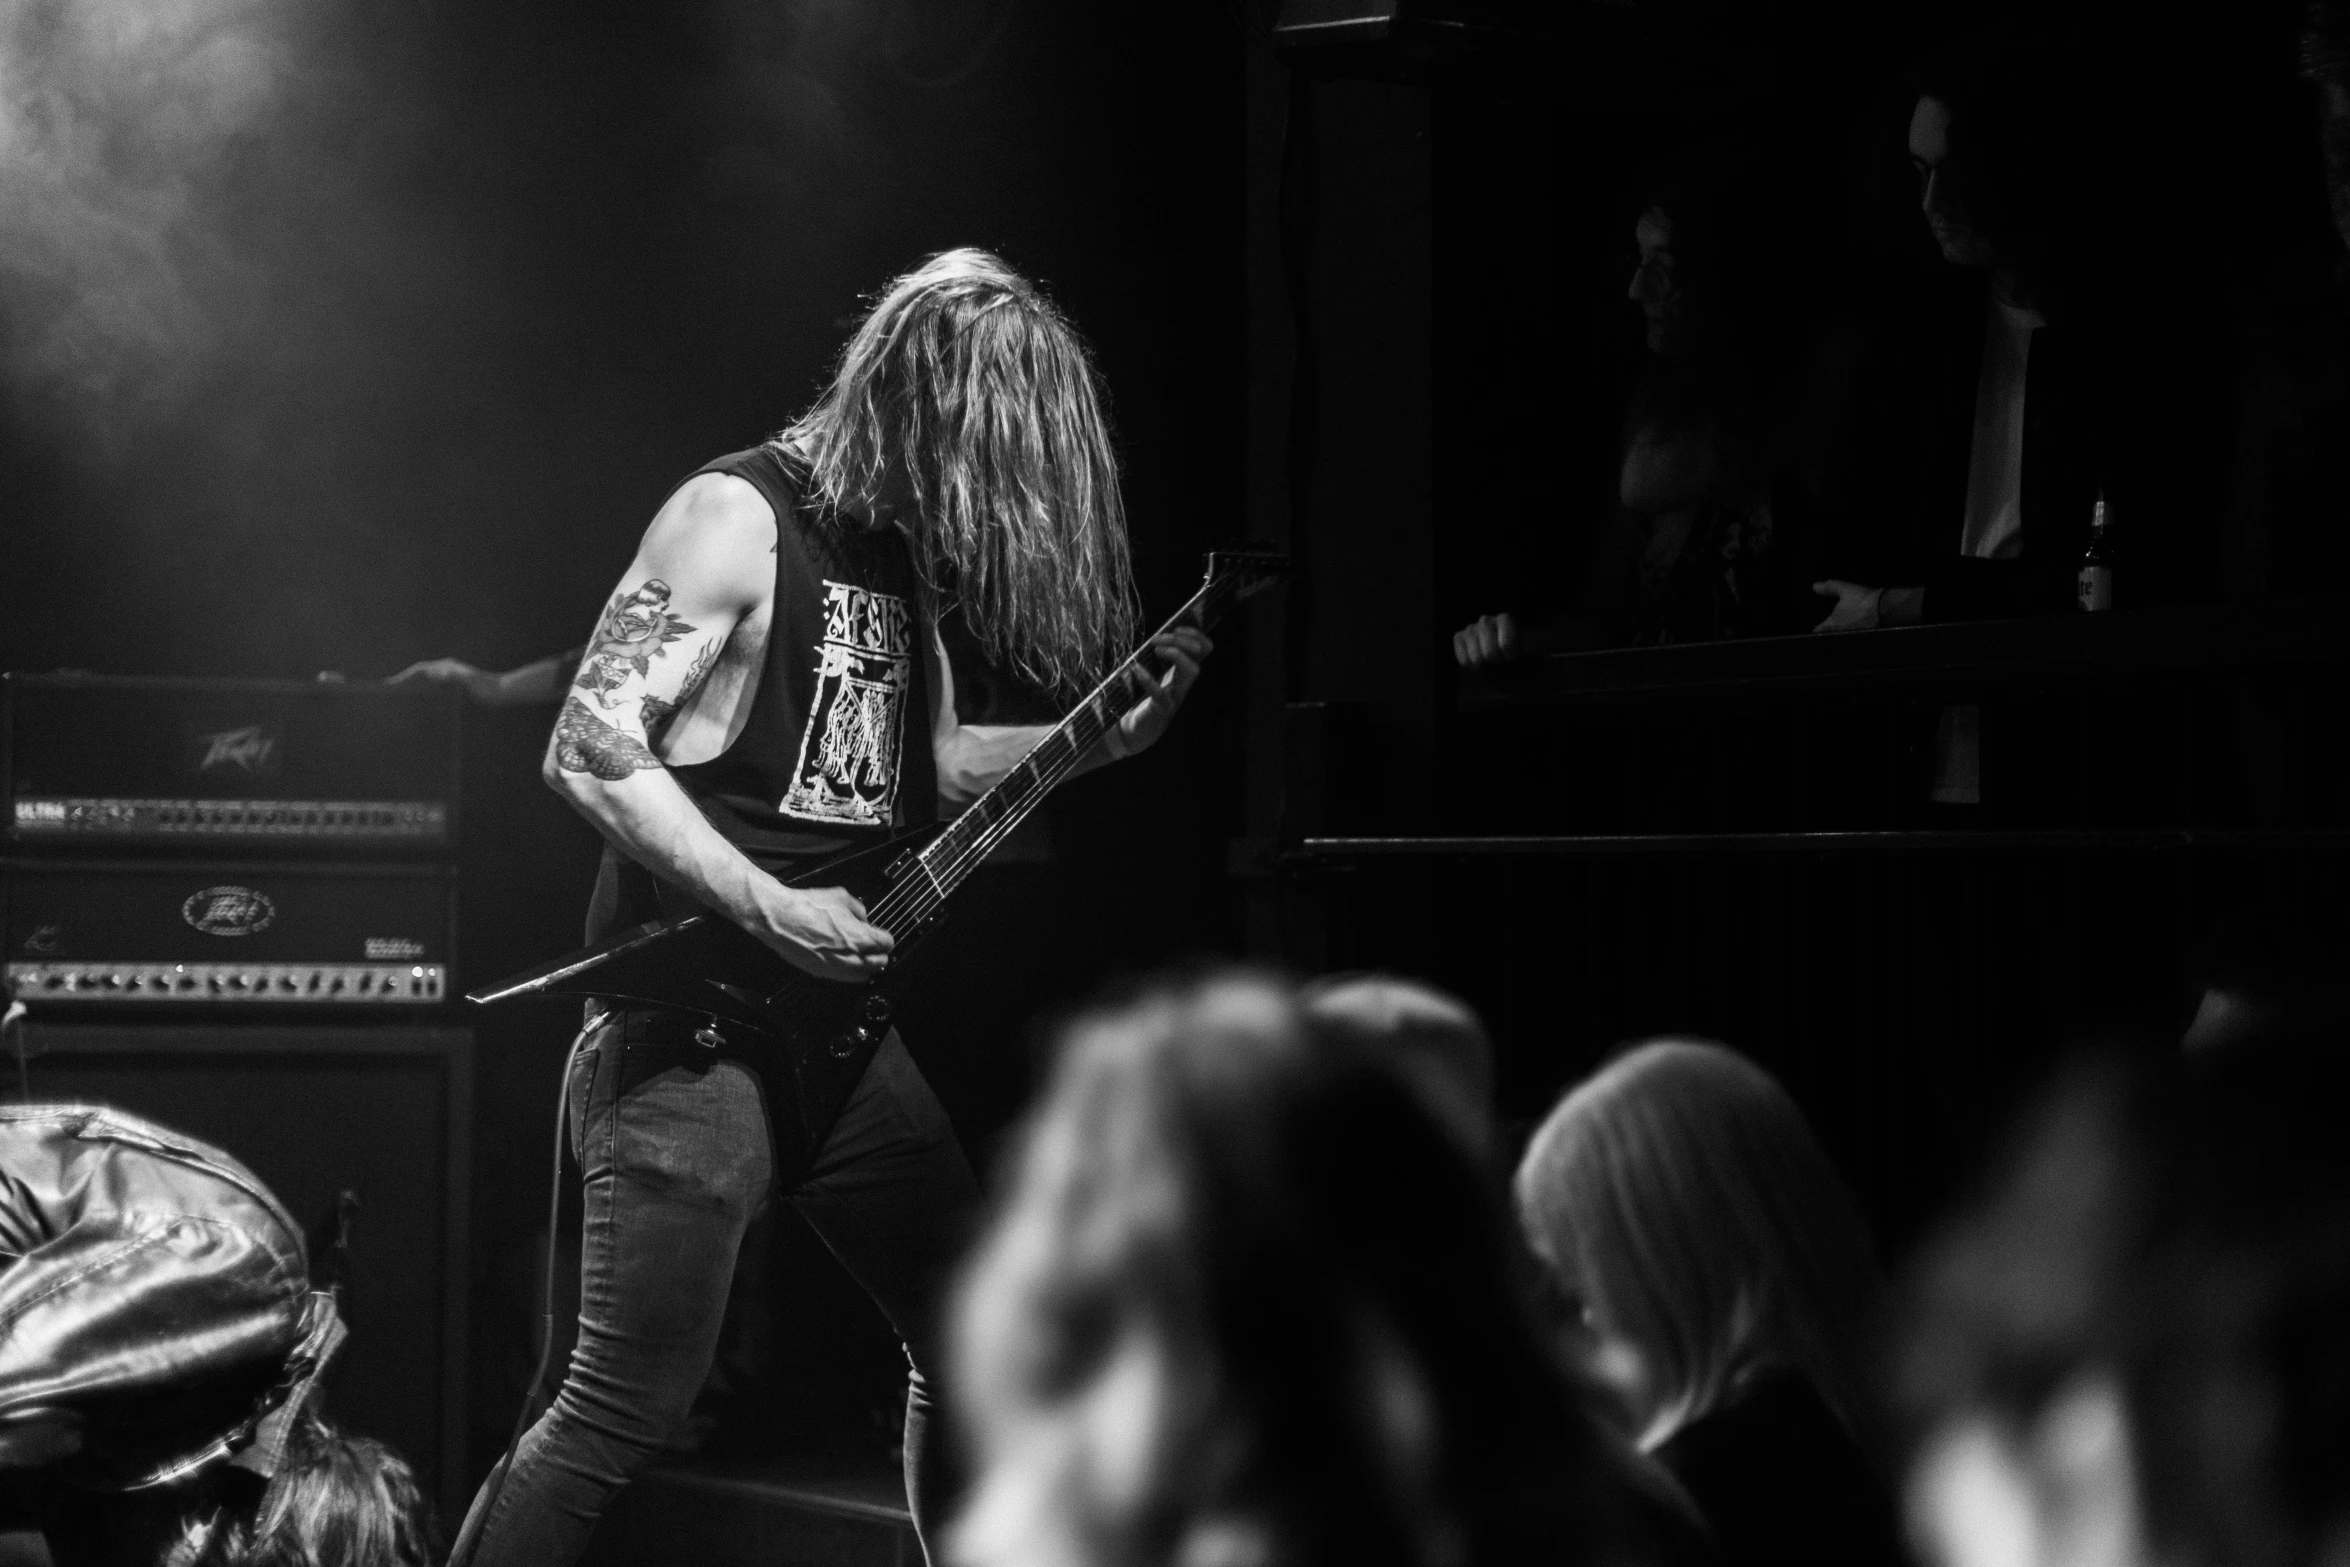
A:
{"x":2185,"y":728}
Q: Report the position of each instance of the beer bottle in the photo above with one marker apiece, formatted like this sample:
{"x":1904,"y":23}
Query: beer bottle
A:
{"x":2094,"y":587}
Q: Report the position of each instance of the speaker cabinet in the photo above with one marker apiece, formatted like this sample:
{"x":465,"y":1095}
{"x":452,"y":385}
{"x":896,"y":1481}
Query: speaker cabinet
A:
{"x":378,"y":1111}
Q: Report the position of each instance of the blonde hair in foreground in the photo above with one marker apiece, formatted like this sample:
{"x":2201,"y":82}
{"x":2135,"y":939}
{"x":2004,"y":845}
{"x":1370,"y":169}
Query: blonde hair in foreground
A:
{"x":967,"y":382}
{"x":1680,"y":1192}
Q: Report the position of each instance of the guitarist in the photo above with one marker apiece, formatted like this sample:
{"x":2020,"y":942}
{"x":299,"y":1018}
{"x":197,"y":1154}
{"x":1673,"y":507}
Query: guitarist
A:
{"x":768,"y":686}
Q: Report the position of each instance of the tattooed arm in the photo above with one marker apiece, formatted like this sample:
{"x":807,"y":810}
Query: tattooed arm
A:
{"x":703,"y":569}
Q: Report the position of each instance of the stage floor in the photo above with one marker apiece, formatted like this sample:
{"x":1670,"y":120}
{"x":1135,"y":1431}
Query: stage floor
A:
{"x":795,"y":1510}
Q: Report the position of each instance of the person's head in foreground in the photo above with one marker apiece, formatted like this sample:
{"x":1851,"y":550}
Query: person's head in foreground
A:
{"x":1247,"y":1301}
{"x":2133,"y":1348}
{"x":336,"y":1501}
{"x":1697,"y":1239}
{"x":1434,"y":1039}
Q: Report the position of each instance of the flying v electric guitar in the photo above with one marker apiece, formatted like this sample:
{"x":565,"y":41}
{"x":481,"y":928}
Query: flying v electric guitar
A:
{"x":823,"y":1032}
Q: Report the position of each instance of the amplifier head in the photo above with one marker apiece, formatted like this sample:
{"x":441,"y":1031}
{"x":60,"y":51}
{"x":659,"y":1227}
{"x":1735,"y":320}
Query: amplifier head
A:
{"x":240,"y":766}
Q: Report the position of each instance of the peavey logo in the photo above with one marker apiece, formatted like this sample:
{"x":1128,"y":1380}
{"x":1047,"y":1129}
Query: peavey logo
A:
{"x":228,"y":911}
{"x":248,"y":750}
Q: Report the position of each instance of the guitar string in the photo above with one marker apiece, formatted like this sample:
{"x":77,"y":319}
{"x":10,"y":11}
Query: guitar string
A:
{"x":918,"y":900}
{"x":1020,"y":795}
{"x":1044,"y":775}
{"x":1033,"y":776}
{"x":968,"y":857}
{"x":1206,"y":607}
{"x":1037,"y":771}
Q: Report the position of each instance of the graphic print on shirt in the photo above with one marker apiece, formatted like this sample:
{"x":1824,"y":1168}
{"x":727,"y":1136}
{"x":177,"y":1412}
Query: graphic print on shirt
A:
{"x":848,"y":766}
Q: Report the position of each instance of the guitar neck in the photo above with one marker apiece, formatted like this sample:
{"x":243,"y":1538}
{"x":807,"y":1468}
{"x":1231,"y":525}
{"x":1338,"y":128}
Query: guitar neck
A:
{"x":950,"y":858}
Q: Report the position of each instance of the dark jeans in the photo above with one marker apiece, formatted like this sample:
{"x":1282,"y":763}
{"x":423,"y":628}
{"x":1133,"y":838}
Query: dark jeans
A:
{"x":674,"y":1151}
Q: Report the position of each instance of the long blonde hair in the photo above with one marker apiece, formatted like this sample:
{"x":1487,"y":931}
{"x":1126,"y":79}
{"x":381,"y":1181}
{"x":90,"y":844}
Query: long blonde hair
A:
{"x":1681,"y":1192}
{"x":968,"y":382}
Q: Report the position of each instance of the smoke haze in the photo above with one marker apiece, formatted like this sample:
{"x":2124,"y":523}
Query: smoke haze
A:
{"x":340,"y":333}
{"x":122,"y":123}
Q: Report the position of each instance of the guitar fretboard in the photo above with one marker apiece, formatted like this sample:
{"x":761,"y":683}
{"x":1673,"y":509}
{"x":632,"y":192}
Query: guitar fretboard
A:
{"x":950,"y":858}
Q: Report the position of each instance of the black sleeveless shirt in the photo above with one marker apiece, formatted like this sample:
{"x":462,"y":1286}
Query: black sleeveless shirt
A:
{"x":836,"y":750}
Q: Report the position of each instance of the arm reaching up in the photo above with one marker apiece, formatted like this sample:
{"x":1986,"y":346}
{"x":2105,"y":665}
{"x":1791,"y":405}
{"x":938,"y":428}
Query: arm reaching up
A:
{"x":525,"y":685}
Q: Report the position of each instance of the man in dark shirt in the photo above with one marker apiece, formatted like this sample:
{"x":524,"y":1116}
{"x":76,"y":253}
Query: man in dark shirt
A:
{"x":2062,"y":356}
{"x":768,"y":686}
{"x":1994,"y":439}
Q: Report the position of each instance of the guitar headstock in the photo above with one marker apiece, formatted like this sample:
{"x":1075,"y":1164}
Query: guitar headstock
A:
{"x":1236,"y":575}
{"x":1233,"y":575}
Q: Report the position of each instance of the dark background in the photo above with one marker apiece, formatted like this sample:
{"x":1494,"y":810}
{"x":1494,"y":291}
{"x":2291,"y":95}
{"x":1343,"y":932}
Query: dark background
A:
{"x":339,"y":335}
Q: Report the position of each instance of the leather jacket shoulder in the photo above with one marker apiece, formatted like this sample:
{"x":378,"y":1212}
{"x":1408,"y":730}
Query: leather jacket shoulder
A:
{"x":152,"y":1295}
